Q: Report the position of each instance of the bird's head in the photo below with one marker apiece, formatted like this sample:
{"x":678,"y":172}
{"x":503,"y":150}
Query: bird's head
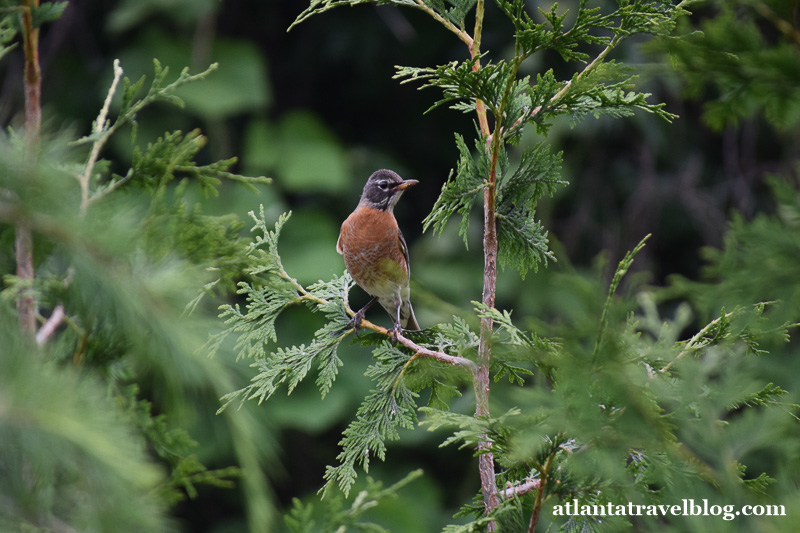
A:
{"x":383,"y":189}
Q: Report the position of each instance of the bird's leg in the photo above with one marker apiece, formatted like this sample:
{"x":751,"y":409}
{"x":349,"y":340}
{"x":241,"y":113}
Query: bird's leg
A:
{"x":355,"y":322}
{"x":396,"y":329}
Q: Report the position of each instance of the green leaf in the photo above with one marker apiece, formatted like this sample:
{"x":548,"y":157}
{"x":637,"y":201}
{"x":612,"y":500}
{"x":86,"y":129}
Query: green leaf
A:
{"x":47,"y":12}
{"x":390,"y":406}
{"x":458,"y":193}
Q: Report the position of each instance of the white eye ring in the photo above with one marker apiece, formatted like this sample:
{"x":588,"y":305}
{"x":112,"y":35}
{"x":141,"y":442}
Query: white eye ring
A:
{"x":383,"y":184}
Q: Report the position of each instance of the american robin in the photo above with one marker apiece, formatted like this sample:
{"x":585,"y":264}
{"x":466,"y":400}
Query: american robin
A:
{"x":375,"y":251}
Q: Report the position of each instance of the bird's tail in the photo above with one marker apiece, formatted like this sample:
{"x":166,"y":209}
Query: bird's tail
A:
{"x":407,"y":318}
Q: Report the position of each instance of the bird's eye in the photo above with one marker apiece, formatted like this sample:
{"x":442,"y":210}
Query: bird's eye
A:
{"x":383,"y":184}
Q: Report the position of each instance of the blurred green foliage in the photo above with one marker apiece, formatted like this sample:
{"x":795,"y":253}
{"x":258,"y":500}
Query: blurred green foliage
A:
{"x":276,"y":102}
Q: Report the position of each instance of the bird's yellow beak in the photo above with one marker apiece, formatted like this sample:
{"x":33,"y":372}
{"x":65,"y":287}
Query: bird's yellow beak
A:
{"x":405,"y":184}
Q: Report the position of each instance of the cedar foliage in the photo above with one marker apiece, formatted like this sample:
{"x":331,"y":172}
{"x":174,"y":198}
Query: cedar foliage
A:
{"x":624,"y":409}
{"x":118,"y":254}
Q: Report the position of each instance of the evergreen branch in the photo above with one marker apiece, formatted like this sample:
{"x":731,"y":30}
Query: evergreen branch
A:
{"x":158,"y":91}
{"x":463,"y":82}
{"x":452,"y":19}
{"x":100,"y":126}
{"x":458,"y":193}
{"x":51,"y":325}
{"x":525,"y":487}
{"x":389,"y":406}
{"x":700,"y":339}
{"x":272,"y":291}
{"x":470,"y":431}
{"x":320,"y":6}
{"x":622,"y":269}
{"x":768,"y":395}
{"x":301,"y":518}
{"x":522,"y":241}
{"x":537,"y":505}
{"x":563,"y":91}
{"x":173,"y":153}
{"x":446,"y":22}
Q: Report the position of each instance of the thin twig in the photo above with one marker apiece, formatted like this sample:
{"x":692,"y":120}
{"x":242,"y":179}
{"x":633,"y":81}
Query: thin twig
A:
{"x":518,"y":490}
{"x":464,"y":36}
{"x":537,"y":505}
{"x":690,"y":344}
{"x":588,"y":68}
{"x":51,"y":325}
{"x":101,"y":129}
{"x":405,"y":341}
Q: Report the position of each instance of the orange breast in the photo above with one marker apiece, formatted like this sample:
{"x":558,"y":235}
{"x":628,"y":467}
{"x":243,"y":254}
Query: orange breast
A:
{"x":370,"y":243}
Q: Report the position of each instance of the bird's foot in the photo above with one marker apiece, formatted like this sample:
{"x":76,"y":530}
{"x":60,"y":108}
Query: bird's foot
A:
{"x":395,"y":334}
{"x":355,"y":322}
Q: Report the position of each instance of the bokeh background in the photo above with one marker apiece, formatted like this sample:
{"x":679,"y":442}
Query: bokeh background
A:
{"x":317,"y":110}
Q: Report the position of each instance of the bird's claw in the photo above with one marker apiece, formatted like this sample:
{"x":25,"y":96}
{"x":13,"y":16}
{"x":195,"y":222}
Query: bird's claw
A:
{"x":395,"y":334}
{"x":355,"y":322}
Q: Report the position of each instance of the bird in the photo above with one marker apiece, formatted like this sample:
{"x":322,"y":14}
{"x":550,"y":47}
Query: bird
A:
{"x":375,"y":252}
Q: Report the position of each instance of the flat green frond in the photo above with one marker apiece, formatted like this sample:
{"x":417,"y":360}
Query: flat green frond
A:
{"x":338,"y":517}
{"x":47,"y":12}
{"x":458,"y":193}
{"x":466,"y":429}
{"x":159,"y":90}
{"x":266,"y":299}
{"x":603,"y":90}
{"x":758,"y":485}
{"x":538,"y":174}
{"x":461,"y":82}
{"x":172,"y":156}
{"x":522,"y":242}
{"x":389,"y":407}
{"x":320,"y":6}
{"x":770,"y":394}
{"x":456,"y":334}
{"x":454,"y":11}
{"x":619,"y":273}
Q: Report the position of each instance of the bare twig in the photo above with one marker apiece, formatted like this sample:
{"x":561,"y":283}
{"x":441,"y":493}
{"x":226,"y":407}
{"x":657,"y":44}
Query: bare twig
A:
{"x":438,"y":355}
{"x":518,"y":490}
{"x":101,"y":130}
{"x":51,"y":325}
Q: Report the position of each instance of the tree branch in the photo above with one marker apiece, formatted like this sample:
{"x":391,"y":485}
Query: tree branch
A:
{"x":690,"y":344}
{"x":101,"y":128}
{"x":443,"y":357}
{"x":480,"y":375}
{"x":23,"y":236}
{"x":518,"y":490}
{"x":51,"y":325}
{"x":537,"y":505}
{"x":464,"y":36}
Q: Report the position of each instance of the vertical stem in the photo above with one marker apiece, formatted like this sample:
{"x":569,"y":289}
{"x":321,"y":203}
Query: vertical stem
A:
{"x":23,"y":239}
{"x":480,"y":376}
{"x":537,"y":505}
{"x":474,"y":50}
{"x":33,"y":76}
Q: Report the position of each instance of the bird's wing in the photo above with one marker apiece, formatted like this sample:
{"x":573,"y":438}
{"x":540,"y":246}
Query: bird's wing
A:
{"x":404,"y":249}
{"x":339,"y":244}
